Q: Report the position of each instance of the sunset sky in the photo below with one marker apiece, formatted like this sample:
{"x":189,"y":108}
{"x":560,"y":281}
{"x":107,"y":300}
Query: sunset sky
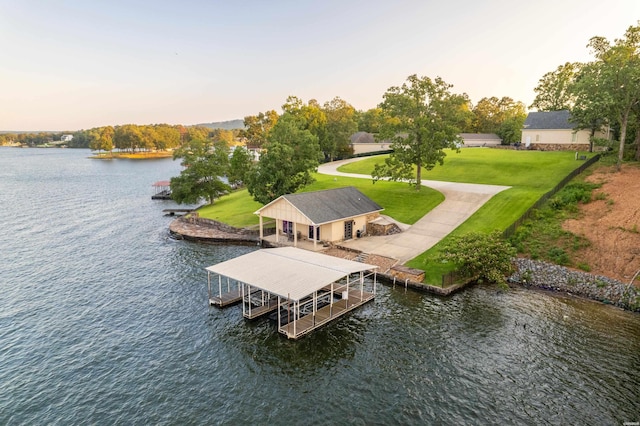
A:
{"x":70,"y":65}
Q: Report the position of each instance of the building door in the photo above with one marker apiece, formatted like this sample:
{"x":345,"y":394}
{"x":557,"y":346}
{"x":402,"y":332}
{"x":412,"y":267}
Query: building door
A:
{"x":348,"y":229}
{"x":311,"y":236}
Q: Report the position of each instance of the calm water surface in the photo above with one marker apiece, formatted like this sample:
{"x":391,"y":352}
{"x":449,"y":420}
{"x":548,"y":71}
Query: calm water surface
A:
{"x":104,"y":320}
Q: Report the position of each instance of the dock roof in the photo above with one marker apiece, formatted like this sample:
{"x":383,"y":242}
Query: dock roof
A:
{"x":288,"y":272}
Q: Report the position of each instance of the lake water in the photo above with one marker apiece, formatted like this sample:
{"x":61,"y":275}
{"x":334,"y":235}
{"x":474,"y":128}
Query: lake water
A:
{"x":104,"y":320}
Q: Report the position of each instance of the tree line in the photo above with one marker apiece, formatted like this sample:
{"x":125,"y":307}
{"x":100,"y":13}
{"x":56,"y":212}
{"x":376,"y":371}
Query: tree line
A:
{"x":127,"y":138}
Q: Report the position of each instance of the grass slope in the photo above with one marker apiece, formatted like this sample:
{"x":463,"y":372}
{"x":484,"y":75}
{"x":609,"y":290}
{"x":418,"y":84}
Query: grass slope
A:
{"x":529,"y":173}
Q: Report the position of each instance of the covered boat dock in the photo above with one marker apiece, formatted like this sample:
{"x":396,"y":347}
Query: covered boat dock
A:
{"x":302,"y":290}
{"x":162,"y":190}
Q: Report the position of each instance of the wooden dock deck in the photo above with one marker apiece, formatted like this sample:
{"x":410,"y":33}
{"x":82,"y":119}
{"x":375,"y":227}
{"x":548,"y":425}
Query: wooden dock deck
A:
{"x":225,"y":299}
{"x":258,"y":304}
{"x":298,"y":328}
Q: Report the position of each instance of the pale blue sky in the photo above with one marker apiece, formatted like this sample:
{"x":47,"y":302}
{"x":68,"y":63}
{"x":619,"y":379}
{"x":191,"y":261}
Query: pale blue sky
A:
{"x":69,"y":65}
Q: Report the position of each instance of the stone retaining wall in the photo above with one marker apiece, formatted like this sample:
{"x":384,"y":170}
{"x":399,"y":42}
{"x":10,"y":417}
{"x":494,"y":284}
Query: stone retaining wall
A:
{"x":211,"y":231}
{"x":533,"y":273}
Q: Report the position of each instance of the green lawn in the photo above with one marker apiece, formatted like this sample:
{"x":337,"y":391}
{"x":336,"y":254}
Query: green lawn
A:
{"x":529,"y":173}
{"x":399,"y":200}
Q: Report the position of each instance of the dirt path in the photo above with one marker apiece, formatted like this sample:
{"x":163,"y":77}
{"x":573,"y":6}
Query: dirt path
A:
{"x":612,"y":224}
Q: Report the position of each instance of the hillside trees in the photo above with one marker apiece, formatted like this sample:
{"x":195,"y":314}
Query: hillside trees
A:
{"x":424,"y":118}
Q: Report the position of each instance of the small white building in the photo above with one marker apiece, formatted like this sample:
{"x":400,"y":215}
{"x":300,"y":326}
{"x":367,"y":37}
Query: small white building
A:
{"x":332,"y":215}
{"x":66,"y":138}
{"x":480,"y":139}
{"x":365,"y":143}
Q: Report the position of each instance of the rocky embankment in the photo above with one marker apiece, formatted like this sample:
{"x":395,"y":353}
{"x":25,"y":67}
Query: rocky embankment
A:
{"x":210,"y":231}
{"x":533,"y":273}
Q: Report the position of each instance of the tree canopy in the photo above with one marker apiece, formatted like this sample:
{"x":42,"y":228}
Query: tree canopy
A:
{"x":423,"y":118}
{"x":290,"y":155}
{"x":554,"y":90}
{"x":206,"y":163}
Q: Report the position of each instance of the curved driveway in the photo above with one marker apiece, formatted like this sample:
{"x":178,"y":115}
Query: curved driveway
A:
{"x":460,"y":202}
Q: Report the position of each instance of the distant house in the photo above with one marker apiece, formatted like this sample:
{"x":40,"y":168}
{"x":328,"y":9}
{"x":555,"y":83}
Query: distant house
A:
{"x":331,"y":215}
{"x":66,"y":138}
{"x":480,"y":139}
{"x":365,"y":143}
{"x":554,"y":131}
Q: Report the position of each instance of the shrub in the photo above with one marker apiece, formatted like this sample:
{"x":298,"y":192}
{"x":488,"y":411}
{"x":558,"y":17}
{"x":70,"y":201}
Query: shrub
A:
{"x":558,"y":256}
{"x":484,"y":256}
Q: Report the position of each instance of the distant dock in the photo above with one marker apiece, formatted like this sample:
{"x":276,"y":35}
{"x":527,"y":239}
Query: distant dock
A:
{"x":163,"y":190}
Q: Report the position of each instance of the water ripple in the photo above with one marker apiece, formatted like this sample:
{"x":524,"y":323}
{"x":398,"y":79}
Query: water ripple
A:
{"x":103,"y":319}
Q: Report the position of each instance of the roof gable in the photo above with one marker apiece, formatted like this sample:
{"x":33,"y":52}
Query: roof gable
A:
{"x":549,"y":120}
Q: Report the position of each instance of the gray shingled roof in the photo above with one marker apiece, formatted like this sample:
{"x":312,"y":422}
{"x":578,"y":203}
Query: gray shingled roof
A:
{"x":332,"y":204}
{"x":362,"y":137}
{"x":549,"y":120}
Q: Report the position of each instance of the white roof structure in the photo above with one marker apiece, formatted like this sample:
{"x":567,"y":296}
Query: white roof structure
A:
{"x":288,"y":272}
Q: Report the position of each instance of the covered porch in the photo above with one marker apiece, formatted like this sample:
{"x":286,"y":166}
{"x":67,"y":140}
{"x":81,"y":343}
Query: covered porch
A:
{"x":305,"y":289}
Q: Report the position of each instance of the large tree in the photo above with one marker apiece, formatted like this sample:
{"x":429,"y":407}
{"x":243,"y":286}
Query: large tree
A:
{"x":257,"y":128}
{"x":553,"y":92}
{"x":101,"y":138}
{"x":239,"y":166}
{"x":291,"y":154}
{"x":490,"y":114}
{"x":206,"y":163}
{"x":424,"y":118}
{"x":341,"y":124}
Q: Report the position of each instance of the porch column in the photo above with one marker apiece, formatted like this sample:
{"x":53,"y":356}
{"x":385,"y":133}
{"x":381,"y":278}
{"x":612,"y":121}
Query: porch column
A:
{"x":261,"y":232}
{"x":295,"y":234}
{"x":315,"y":235}
{"x":278,"y":224}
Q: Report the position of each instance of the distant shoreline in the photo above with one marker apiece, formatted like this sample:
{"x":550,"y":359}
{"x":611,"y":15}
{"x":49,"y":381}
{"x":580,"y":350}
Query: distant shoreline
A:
{"x":133,"y":156}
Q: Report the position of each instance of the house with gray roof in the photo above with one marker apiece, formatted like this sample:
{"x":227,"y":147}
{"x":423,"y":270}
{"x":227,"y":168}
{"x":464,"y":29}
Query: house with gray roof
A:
{"x":555,"y":131}
{"x":331,"y":215}
{"x":365,"y":143}
{"x":480,"y":139}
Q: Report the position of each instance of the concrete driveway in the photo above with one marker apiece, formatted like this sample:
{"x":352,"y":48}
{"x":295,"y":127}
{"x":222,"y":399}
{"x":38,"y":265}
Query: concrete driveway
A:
{"x":461,"y":201}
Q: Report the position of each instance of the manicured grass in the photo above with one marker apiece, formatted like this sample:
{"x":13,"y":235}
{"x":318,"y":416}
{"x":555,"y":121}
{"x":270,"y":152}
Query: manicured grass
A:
{"x":529,"y":169}
{"x":529,"y":173}
{"x":399,"y":200}
{"x":235,"y":209}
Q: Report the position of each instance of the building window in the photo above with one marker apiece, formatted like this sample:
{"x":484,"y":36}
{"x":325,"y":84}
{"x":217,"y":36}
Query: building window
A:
{"x":537,"y":138}
{"x":574,"y":137}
